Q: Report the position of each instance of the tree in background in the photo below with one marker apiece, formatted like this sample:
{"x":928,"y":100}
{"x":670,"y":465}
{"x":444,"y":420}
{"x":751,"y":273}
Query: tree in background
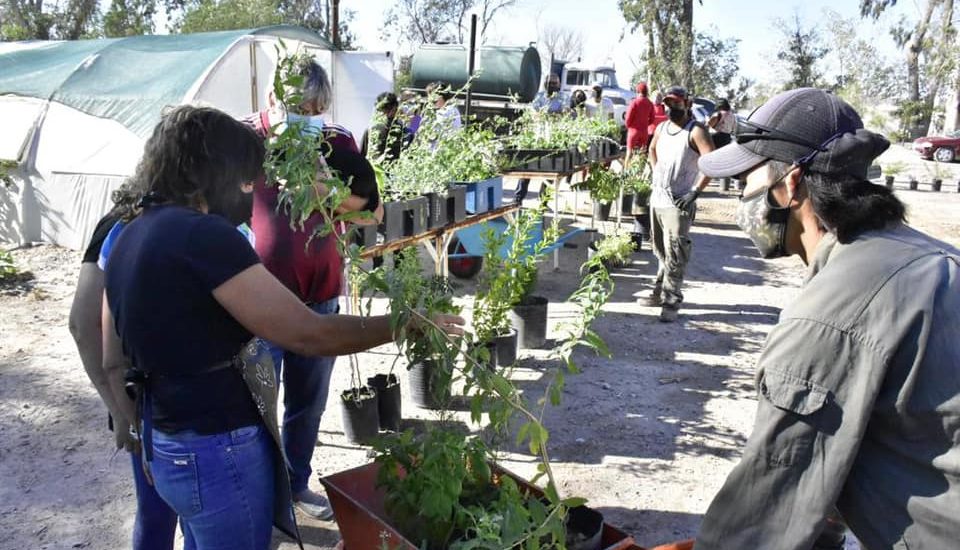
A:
{"x":415,"y":22}
{"x":561,"y":43}
{"x":32,"y":20}
{"x":801,"y":52}
{"x":930,"y":44}
{"x":864,"y":78}
{"x":715,"y":65}
{"x":668,"y":26}
{"x":129,"y":18}
{"x":228,"y":15}
{"x":316,"y":15}
{"x":222,"y":15}
{"x":78,"y":20}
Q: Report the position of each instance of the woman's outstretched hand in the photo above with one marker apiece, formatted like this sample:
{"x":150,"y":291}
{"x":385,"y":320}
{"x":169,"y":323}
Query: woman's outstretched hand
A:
{"x":450,"y":324}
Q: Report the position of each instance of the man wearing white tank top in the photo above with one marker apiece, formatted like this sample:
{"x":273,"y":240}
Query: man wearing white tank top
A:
{"x":677,"y":182}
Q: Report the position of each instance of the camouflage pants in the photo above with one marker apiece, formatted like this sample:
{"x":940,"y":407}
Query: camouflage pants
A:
{"x":670,"y":237}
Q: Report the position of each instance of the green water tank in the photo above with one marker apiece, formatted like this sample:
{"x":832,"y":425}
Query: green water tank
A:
{"x":503,"y":70}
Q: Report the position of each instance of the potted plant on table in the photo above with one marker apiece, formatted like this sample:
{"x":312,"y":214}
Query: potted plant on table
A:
{"x":443,"y":165}
{"x":636,"y":184}
{"x":532,"y":146}
{"x":604,"y":186}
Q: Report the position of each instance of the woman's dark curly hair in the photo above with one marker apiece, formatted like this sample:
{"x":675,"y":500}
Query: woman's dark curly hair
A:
{"x":126,"y":199}
{"x":196,"y":152}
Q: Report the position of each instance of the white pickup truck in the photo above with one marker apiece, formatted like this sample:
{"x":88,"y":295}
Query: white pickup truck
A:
{"x":581,"y":76}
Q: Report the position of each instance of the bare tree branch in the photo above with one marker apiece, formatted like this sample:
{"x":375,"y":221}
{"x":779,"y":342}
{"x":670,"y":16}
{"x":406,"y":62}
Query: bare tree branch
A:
{"x":562,"y":43}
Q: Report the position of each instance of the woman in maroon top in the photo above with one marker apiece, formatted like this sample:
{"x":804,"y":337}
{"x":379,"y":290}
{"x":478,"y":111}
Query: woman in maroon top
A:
{"x":312,"y":269}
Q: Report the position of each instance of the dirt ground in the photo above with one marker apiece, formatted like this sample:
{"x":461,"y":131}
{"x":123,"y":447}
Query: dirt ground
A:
{"x":647,"y":436}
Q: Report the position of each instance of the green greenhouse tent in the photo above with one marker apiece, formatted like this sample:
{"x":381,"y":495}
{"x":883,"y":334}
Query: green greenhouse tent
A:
{"x":76,"y":113}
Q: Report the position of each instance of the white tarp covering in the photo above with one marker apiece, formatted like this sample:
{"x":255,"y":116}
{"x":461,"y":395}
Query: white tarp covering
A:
{"x":69,"y":206}
{"x":358,"y":78}
{"x":73,"y":142}
{"x":18,"y":114}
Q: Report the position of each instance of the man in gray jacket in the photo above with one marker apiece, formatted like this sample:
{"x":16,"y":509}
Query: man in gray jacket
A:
{"x":859,"y":382}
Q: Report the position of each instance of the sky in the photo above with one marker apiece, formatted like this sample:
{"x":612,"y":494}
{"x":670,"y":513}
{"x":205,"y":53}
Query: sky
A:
{"x":601,"y":24}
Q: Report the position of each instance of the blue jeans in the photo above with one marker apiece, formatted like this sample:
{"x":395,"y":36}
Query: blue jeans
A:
{"x":155,"y":526}
{"x":306,"y":382}
{"x":220,"y":485}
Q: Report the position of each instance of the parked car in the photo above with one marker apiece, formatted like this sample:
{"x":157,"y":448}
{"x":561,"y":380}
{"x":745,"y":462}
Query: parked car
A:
{"x":939,"y":148}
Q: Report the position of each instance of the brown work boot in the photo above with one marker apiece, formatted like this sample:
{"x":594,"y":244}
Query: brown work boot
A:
{"x":669,"y":313}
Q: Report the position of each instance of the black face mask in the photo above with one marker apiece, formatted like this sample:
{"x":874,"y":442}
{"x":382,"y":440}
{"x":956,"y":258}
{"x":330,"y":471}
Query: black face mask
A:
{"x":234,"y":205}
{"x":677,"y":114}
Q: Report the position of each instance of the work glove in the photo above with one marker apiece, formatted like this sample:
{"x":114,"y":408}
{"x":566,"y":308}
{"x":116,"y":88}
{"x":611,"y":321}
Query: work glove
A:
{"x":684,"y":202}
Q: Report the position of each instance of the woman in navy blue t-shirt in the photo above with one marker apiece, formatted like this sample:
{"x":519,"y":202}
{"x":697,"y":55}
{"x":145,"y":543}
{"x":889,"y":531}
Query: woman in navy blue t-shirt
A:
{"x":186,"y":291}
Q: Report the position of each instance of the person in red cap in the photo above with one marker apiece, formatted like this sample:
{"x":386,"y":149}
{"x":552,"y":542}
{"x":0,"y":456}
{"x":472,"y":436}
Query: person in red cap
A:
{"x":638,"y":120}
{"x":674,"y":150}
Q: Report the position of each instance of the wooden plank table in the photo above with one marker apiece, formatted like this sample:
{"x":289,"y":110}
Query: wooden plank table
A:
{"x":436,"y":240}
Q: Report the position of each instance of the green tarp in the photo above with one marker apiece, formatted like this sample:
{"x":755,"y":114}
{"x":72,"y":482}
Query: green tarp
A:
{"x":129,"y":80}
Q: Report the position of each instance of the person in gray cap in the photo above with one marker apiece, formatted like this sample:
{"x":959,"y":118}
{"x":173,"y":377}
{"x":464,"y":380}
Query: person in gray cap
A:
{"x":859,"y":382}
{"x":676,"y":145}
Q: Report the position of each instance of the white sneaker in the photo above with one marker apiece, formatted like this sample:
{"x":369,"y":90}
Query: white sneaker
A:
{"x":312,"y":504}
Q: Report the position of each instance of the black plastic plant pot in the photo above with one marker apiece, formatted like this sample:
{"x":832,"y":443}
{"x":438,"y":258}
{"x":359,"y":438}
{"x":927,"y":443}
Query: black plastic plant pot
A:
{"x":576,"y":158}
{"x":597,"y":150}
{"x":392,"y":224}
{"x":404,"y":218}
{"x":520,"y":158}
{"x":365,"y":235}
{"x":612,"y":148}
{"x":626,"y":205}
{"x":601,"y":210}
{"x":889,"y":180}
{"x":584,"y":529}
{"x":937,"y":184}
{"x":545,"y":160}
{"x":506,"y":348}
{"x":429,"y":384}
{"x":361,"y":416}
{"x":436,"y":210}
{"x":529,"y":317}
{"x":484,"y":195}
{"x":388,"y":400}
{"x":457,"y":203}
